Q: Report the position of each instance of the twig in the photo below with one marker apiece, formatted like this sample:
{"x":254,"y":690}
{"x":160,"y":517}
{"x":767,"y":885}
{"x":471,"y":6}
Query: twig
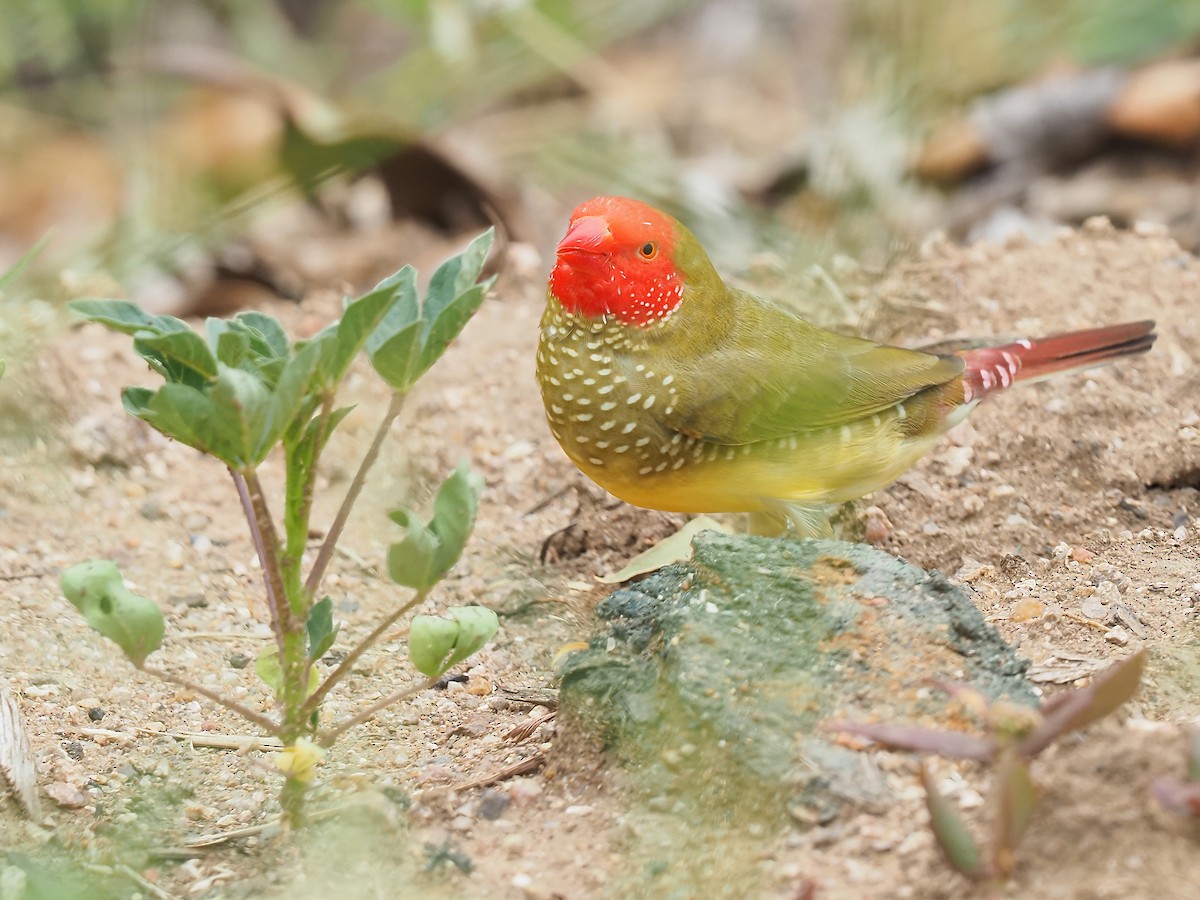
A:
{"x":524,"y":767}
{"x":352,"y":657}
{"x":21,"y":576}
{"x":241,"y":743}
{"x":264,"y":561}
{"x":145,"y":884}
{"x":360,"y":479}
{"x":525,"y":730}
{"x":327,"y":738}
{"x":220,"y":636}
{"x":244,"y":711}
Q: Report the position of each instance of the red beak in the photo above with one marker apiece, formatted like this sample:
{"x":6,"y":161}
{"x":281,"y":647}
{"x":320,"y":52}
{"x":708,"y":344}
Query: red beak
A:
{"x":587,"y":234}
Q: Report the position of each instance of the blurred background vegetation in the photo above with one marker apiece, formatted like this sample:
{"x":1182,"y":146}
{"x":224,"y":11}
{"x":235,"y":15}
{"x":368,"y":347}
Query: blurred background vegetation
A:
{"x":194,"y":154}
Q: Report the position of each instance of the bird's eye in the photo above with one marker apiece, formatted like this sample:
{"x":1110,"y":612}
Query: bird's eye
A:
{"x":648,"y":250}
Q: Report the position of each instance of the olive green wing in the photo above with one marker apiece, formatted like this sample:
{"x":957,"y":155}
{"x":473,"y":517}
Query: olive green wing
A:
{"x":776,"y":375}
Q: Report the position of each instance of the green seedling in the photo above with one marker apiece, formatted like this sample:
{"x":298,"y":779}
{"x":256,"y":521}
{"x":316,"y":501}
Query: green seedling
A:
{"x":243,"y":391}
{"x":1012,"y":738}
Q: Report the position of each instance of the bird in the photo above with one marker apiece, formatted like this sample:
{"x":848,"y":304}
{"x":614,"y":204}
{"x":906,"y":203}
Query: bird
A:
{"x":675,"y":391}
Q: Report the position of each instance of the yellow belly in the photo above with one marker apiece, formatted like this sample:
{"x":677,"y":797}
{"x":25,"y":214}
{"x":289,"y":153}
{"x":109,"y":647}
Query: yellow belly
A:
{"x":826,"y":466}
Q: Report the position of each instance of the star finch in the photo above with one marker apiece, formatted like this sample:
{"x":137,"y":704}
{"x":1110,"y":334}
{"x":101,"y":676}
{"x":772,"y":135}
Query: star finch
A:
{"x":674,"y":391}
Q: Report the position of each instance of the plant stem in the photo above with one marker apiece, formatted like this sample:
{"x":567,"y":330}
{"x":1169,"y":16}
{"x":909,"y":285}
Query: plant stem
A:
{"x":360,"y":479}
{"x":244,"y":711}
{"x":351,"y":658}
{"x":327,"y":738}
{"x":273,"y":599}
{"x":282,"y":621}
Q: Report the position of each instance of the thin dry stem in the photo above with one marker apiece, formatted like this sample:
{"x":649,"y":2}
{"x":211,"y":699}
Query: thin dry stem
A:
{"x":327,"y":738}
{"x":360,"y":479}
{"x":362,"y":647}
{"x":244,"y":711}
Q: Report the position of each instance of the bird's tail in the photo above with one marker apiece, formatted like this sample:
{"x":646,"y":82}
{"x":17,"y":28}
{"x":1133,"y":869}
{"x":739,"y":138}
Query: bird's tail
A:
{"x":994,"y":368}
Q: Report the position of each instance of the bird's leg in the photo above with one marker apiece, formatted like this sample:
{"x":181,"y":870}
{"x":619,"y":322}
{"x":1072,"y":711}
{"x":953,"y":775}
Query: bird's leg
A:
{"x":794,"y":520}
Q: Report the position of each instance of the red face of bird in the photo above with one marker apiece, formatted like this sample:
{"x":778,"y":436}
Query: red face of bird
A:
{"x":617,"y":259}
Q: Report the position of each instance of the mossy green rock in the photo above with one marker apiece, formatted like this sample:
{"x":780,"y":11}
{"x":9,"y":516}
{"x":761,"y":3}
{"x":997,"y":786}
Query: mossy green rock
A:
{"x":713,"y":678}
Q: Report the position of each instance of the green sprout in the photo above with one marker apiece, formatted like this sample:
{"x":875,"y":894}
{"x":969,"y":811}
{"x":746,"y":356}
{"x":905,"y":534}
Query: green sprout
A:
{"x":242,"y":391}
{"x":1013,"y":737}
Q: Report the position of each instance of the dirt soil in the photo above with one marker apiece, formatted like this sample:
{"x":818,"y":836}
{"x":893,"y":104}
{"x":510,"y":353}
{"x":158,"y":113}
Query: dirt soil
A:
{"x":1068,"y":506}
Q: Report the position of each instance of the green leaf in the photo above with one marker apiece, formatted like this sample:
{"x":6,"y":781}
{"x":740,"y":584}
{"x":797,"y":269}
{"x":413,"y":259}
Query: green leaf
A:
{"x":670,"y":550}
{"x":431,"y":640}
{"x":1015,"y":796}
{"x":477,"y":626}
{"x":454,"y":511}
{"x":136,"y":400}
{"x":230,"y":345}
{"x":427,"y":552}
{"x":448,"y":324}
{"x":289,"y":397}
{"x":410,"y":561}
{"x":178,"y":411}
{"x":268,"y":669}
{"x":456,"y":275}
{"x":268,"y":338}
{"x":118,"y":315}
{"x":403,"y":313}
{"x":397,"y":359}
{"x":185,"y":355}
{"x":320,"y":628}
{"x":1,"y":368}
{"x":437,"y":644}
{"x":359,"y":320}
{"x":240,"y":423}
{"x":951,"y":832}
{"x":133,"y":623}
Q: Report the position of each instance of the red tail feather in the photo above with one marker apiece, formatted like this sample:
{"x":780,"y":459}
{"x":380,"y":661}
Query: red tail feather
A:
{"x":995,"y":368}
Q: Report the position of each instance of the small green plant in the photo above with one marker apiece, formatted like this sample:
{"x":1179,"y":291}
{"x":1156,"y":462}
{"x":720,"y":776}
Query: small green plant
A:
{"x":1013,"y":737}
{"x":240,"y":392}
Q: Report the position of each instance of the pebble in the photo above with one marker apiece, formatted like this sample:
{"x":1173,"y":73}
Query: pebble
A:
{"x":1094,"y":608}
{"x":1027,"y":608}
{"x":492,"y":804}
{"x":68,"y":796}
{"x":524,"y":789}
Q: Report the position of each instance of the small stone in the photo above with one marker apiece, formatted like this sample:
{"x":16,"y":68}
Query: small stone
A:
{"x":578,"y":810}
{"x":492,"y":804}
{"x":1027,"y":608}
{"x":348,"y":606}
{"x":195,"y":521}
{"x":68,"y":796}
{"x":73,"y":749}
{"x":96,"y":713}
{"x":1094,"y":608}
{"x":239,"y":660}
{"x":1082,"y":555}
{"x":1117,"y":635}
{"x":524,"y":789}
{"x":479,"y":686}
{"x":151,"y":509}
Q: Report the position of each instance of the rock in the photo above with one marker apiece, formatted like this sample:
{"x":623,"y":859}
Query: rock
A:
{"x":724,"y":709}
{"x":66,"y":795}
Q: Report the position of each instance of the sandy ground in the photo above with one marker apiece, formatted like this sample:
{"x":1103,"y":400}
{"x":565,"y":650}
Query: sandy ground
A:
{"x":1067,"y":506}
